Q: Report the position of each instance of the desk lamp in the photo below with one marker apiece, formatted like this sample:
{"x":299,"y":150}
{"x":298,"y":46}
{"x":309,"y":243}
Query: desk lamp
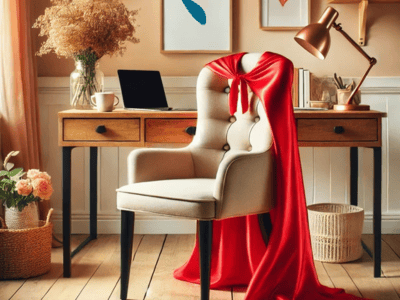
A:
{"x":315,"y":39}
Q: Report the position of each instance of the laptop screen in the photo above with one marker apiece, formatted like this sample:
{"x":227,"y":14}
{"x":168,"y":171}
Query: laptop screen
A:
{"x":142,"y":89}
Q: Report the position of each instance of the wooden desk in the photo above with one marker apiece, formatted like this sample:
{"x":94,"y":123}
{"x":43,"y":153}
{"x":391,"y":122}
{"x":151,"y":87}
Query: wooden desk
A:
{"x":122,"y":128}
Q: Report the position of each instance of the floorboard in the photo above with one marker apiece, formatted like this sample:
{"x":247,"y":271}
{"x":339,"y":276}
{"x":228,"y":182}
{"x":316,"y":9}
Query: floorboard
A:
{"x":341,"y":279}
{"x":105,"y":278}
{"x":323,"y":276}
{"x":238,"y":293}
{"x":82,"y":269}
{"x":137,"y":240}
{"x":390,"y":259}
{"x":361,"y":273}
{"x":142,"y":267}
{"x":177,"y":249}
{"x":96,"y":272}
{"x":9,"y":287}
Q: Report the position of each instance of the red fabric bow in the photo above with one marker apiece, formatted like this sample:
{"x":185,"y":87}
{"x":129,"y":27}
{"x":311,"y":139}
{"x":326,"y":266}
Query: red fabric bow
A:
{"x":233,"y":94}
{"x":285,"y":269}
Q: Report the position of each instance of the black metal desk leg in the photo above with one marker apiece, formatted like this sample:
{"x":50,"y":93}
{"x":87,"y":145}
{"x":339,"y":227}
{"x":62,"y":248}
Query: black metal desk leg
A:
{"x":66,"y":200}
{"x":354,"y":176}
{"x":93,"y":192}
{"x":377,"y":210}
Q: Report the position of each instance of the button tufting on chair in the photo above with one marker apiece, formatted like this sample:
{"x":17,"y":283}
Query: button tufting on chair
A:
{"x":226,"y":147}
{"x":232,"y":119}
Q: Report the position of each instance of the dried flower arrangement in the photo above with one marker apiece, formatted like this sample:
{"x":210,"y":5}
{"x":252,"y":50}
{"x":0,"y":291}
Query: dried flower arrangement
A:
{"x":86,"y":30}
{"x":78,"y":27}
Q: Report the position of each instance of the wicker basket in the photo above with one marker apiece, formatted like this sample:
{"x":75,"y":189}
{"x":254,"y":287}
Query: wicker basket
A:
{"x":25,"y":253}
{"x":335,"y":231}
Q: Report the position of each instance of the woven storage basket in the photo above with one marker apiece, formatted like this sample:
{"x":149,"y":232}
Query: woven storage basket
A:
{"x":335,"y":231}
{"x":25,"y":253}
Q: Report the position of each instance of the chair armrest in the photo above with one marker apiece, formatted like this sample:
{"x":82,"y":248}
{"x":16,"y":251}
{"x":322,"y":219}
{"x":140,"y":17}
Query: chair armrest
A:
{"x":245,"y":184}
{"x":149,"y":164}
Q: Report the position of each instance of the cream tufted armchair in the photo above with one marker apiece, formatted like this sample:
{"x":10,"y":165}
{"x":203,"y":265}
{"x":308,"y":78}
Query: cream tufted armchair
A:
{"x":226,"y":171}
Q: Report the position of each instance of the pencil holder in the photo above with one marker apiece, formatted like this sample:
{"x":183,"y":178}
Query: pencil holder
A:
{"x":344,"y":94}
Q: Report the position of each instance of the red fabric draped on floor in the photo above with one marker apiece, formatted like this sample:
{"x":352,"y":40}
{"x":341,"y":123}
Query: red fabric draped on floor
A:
{"x":285,"y":269}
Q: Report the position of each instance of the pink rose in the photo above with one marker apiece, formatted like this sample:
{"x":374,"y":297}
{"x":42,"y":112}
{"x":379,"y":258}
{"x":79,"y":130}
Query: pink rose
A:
{"x":23,"y":187}
{"x":42,"y":188}
{"x":32,"y":174}
{"x":43,"y":175}
{"x":35,"y":173}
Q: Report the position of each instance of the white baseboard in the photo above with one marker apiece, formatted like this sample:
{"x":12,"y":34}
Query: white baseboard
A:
{"x":390,"y":225}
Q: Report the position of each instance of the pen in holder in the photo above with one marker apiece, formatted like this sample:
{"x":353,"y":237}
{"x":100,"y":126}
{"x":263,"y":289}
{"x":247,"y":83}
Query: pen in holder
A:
{"x":344,"y":94}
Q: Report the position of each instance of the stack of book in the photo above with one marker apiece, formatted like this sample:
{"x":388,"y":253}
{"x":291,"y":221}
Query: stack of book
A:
{"x":301,"y":91}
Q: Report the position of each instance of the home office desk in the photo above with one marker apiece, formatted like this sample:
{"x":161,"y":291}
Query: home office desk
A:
{"x":122,"y":128}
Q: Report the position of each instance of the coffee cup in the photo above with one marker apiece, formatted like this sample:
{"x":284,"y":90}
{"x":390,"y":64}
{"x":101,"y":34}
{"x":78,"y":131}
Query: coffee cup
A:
{"x":104,"y":101}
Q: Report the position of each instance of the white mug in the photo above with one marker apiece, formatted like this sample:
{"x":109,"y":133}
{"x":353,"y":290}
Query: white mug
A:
{"x":104,"y":101}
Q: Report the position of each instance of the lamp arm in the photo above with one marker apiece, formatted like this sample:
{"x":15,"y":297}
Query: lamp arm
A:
{"x":372,"y":60}
{"x":359,"y":84}
{"x":339,"y":28}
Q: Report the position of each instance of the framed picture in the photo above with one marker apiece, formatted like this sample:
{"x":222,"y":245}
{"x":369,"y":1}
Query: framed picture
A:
{"x":196,"y":26}
{"x":294,"y":15}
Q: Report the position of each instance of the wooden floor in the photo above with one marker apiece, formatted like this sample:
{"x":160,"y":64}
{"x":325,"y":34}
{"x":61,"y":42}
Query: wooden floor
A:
{"x":95,"y":272}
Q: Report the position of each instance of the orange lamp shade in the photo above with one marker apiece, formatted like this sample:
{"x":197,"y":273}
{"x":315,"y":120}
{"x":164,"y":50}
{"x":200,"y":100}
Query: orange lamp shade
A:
{"x":315,"y":37}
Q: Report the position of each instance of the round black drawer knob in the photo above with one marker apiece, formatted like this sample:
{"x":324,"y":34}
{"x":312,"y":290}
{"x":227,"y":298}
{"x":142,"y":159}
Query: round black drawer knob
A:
{"x":101,"y":129}
{"x":191,"y":130}
{"x":338,"y":129}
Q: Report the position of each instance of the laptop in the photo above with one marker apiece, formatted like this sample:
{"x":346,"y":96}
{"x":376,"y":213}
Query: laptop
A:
{"x":143,"y":90}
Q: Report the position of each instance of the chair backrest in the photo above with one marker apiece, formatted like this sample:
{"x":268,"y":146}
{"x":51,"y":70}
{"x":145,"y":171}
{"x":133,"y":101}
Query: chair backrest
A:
{"x":220,"y":135}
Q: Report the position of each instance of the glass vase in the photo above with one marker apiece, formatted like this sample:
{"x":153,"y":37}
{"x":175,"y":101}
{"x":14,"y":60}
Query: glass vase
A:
{"x":85,"y":81}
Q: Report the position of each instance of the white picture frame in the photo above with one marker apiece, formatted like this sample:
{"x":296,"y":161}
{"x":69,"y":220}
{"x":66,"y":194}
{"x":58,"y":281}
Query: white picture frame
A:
{"x":294,"y":15}
{"x":181,"y":32}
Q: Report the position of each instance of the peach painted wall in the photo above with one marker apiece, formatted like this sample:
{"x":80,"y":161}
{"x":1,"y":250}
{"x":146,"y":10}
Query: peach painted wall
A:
{"x":383,"y":42}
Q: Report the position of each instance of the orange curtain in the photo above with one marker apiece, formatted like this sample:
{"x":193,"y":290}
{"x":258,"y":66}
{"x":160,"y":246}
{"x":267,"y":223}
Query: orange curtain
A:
{"x":19,"y":105}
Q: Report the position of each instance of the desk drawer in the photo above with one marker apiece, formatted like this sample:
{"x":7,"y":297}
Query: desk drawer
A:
{"x":168,"y":130}
{"x":115,"y":130}
{"x":323,"y":130}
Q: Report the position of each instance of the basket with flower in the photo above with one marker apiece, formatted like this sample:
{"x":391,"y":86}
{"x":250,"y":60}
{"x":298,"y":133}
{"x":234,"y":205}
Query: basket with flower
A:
{"x":25,"y":241}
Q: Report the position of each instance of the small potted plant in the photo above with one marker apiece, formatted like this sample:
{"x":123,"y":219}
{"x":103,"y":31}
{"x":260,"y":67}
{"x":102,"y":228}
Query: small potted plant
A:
{"x":20,"y":192}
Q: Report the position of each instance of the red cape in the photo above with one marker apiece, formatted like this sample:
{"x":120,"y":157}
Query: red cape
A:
{"x":285,"y":269}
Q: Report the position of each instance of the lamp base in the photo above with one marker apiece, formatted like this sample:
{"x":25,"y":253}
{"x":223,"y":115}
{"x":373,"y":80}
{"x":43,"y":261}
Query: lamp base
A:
{"x":347,"y":107}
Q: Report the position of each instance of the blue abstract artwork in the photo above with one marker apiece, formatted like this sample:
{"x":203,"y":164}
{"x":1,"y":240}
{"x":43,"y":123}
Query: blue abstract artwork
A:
{"x":196,"y":11}
{"x":191,"y":26}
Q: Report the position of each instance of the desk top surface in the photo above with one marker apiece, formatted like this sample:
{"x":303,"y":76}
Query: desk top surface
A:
{"x":122,"y":113}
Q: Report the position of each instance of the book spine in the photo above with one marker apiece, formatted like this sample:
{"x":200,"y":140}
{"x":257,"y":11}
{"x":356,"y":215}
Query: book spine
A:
{"x":301,"y":87}
{"x":295,"y":88}
{"x":306,"y":88}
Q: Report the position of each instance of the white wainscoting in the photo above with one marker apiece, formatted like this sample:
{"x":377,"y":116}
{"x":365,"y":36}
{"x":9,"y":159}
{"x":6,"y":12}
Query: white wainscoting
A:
{"x":326,"y":170}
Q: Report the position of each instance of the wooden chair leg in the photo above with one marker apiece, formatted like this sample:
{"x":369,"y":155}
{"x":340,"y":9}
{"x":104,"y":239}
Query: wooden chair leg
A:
{"x":205,"y":243}
{"x":265,"y":226}
{"x":127,"y":230}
